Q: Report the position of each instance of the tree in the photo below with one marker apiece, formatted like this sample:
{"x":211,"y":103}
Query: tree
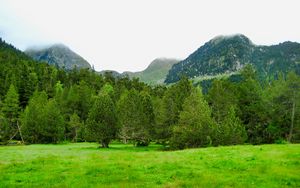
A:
{"x":53,"y":123}
{"x":42,"y":121}
{"x":102,"y":121}
{"x":133,"y":118}
{"x":4,"y":129}
{"x":32,"y":118}
{"x":293,"y":95}
{"x":252,"y":107}
{"x":221,"y":96}
{"x":283,"y":99}
{"x":10,"y":111}
{"x":196,"y":125}
{"x":230,"y":130}
{"x":172,"y":106}
{"x":76,"y":125}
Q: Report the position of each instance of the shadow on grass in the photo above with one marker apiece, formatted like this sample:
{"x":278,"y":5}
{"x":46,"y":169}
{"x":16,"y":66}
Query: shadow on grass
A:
{"x":124,"y":147}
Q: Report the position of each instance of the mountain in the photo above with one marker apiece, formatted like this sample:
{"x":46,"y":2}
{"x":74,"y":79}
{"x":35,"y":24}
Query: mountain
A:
{"x":156,"y":72}
{"x":58,"y":55}
{"x":228,"y":54}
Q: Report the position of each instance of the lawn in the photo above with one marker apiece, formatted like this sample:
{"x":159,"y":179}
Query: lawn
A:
{"x":85,"y":165}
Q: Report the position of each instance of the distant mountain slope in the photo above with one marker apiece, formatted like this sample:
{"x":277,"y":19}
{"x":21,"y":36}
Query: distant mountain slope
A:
{"x":58,"y":55}
{"x":156,"y":72}
{"x":227,"y":54}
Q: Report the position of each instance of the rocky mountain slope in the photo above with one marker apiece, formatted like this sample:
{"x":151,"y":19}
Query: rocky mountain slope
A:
{"x":58,"y":55}
{"x":228,"y":54}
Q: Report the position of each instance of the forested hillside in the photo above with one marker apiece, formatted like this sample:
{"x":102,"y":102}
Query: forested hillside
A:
{"x":44,"y":104}
{"x":228,"y":54}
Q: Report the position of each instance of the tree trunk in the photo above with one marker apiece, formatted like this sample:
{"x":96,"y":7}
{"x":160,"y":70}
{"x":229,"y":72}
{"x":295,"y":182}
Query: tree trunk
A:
{"x":292,"y":122}
{"x":104,"y":144}
{"x":75,"y":137}
{"x":20,"y":132}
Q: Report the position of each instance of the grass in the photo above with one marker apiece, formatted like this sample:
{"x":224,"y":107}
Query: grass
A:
{"x":85,"y":165}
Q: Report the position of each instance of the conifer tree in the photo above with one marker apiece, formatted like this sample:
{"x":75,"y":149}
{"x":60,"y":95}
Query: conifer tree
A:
{"x":196,"y":125}
{"x":102,"y":121}
{"x":230,"y":130}
{"x":10,"y":109}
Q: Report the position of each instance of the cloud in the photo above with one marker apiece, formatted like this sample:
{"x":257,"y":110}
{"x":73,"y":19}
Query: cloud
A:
{"x":128,"y":35}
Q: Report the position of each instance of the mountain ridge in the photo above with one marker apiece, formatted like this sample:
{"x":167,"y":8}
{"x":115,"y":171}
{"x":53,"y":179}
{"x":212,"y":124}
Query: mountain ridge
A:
{"x":227,"y":54}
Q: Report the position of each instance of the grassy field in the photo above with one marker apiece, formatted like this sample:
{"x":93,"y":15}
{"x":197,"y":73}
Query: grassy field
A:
{"x":85,"y":165}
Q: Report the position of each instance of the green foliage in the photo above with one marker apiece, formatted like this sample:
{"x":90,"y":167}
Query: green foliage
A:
{"x":4,"y":129}
{"x":76,"y":126}
{"x":221,"y":97}
{"x":10,"y":109}
{"x":42,"y":121}
{"x":230,"y":131}
{"x":102,"y":121}
{"x":58,"y":105}
{"x":136,"y":117}
{"x":196,"y":125}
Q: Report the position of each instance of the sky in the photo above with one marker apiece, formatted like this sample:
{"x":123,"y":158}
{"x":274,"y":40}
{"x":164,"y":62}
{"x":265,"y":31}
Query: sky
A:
{"x":126,"y":35}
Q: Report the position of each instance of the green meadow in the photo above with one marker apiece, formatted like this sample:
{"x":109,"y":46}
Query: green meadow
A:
{"x":85,"y":165}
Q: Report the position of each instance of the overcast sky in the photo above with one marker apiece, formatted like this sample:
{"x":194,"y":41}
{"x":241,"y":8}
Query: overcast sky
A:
{"x":126,"y":35}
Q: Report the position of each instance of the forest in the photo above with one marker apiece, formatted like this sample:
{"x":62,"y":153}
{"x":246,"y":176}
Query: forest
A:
{"x":40,"y":103}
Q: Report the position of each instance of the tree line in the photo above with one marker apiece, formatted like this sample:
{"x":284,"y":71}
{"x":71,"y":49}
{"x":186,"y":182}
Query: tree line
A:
{"x":40,"y":103}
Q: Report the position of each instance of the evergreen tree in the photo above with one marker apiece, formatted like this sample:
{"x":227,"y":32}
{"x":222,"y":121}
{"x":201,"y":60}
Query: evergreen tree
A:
{"x":252,"y":106}
{"x":32,"y":118}
{"x":132,"y":118}
{"x":42,"y":121}
{"x":53,"y":123}
{"x":76,"y":126}
{"x":10,"y":109}
{"x":102,"y":121}
{"x":196,"y":125}
{"x":172,"y":105}
{"x":230,"y":130}
{"x":221,"y":96}
{"x":4,"y":129}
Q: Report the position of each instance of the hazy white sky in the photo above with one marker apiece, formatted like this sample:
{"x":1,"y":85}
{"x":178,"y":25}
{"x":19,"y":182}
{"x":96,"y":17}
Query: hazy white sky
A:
{"x":128,"y":34}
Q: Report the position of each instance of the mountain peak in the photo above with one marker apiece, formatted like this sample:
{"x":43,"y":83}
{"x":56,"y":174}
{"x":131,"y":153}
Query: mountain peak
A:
{"x":59,"y":55}
{"x":228,"y":54}
{"x":234,"y":37}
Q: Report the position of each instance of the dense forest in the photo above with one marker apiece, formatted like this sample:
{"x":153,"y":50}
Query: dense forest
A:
{"x":40,"y":103}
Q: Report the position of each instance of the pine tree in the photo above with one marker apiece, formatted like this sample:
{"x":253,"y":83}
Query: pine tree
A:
{"x":102,"y":121}
{"x":76,"y":125}
{"x":10,"y":110}
{"x":42,"y":121}
{"x":221,"y":96}
{"x":230,"y":130}
{"x":133,"y":118}
{"x":4,"y":129}
{"x":195,"y":126}
{"x":32,"y":119}
{"x":53,"y":123}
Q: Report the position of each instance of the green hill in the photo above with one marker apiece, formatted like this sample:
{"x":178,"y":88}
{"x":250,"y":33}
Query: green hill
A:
{"x":156,"y":72}
{"x":228,"y":54}
{"x":58,"y":55}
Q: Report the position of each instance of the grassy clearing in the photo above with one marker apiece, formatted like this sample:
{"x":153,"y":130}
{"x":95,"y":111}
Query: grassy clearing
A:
{"x":84,"y":165}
